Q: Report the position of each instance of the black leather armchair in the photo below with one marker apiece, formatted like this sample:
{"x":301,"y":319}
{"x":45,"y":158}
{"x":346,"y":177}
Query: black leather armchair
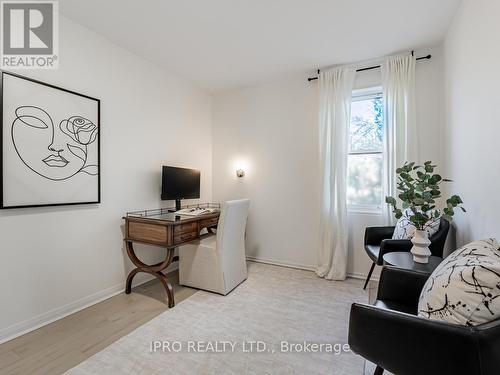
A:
{"x":378,"y":241}
{"x":390,"y":334}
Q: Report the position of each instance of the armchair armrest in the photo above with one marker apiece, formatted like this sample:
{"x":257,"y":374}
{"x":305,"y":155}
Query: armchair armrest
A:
{"x":400,"y":285}
{"x":375,"y":235}
{"x":407,"y":345}
{"x":390,"y":246}
{"x":489,"y":342}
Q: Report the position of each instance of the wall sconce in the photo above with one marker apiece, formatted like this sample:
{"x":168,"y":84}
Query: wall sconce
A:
{"x":240,"y":172}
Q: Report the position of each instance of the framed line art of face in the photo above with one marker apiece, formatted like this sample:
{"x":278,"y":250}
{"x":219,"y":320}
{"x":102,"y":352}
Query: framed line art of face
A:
{"x":50,"y":145}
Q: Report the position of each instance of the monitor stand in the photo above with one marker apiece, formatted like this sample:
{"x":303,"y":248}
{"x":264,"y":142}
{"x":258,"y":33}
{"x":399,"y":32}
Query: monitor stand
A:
{"x":178,"y":204}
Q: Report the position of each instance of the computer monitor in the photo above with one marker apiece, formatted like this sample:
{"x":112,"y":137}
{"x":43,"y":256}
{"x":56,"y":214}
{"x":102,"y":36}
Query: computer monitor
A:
{"x":180,"y":183}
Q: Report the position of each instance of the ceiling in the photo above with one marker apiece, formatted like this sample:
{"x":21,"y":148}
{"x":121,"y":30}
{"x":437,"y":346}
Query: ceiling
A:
{"x":226,"y":44}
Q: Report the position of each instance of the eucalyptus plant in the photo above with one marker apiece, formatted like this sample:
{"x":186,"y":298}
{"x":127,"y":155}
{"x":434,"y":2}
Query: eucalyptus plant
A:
{"x":419,"y":189}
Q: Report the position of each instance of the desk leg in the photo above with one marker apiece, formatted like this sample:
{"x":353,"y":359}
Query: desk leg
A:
{"x":155,"y":270}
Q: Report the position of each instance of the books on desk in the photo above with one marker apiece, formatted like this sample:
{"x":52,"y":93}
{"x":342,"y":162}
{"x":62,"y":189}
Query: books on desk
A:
{"x":196,"y":211}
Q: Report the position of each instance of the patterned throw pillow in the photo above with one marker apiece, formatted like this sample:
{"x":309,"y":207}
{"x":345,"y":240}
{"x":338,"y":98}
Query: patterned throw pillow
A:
{"x":465,"y":287}
{"x":405,"y":229}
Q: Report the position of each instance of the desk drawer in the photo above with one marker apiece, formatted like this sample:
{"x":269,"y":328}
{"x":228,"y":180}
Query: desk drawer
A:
{"x":184,"y":237}
{"x":207,"y":223}
{"x":147,"y":232}
{"x":185,"y":228}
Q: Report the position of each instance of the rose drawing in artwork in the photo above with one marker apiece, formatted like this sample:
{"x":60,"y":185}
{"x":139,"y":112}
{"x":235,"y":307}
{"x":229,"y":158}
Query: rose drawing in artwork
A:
{"x":56,"y":153}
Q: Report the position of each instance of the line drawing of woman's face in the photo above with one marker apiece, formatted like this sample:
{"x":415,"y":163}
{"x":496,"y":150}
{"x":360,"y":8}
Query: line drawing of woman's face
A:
{"x":53,"y":152}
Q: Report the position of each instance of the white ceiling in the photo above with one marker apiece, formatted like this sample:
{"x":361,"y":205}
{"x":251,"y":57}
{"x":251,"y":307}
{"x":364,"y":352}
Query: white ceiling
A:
{"x":226,"y":44}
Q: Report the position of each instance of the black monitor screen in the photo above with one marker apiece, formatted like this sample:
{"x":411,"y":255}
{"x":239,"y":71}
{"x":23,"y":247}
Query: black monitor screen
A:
{"x":180,"y":183}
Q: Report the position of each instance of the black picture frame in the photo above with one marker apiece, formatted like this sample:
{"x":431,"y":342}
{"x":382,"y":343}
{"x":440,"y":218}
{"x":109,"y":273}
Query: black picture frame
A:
{"x":2,"y":96}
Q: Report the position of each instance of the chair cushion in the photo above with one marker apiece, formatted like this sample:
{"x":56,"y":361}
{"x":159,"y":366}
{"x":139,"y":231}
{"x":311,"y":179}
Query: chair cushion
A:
{"x":373,"y":251}
{"x":465,"y":287}
{"x":405,"y":229}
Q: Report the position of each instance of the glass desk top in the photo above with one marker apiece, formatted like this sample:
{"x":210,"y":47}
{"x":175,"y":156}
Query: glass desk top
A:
{"x":169,"y":214}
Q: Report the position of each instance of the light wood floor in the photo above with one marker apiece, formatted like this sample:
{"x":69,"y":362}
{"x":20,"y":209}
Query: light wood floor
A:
{"x":59,"y":346}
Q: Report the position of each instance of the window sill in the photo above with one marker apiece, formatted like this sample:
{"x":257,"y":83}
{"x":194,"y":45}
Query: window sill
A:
{"x":366,"y":210}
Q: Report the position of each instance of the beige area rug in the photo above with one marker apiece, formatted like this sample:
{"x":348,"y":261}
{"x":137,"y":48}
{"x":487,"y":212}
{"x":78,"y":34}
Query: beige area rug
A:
{"x":274,"y":305}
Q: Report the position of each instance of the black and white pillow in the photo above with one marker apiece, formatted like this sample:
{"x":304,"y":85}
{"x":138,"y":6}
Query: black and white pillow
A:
{"x":405,"y":229}
{"x":465,"y":287}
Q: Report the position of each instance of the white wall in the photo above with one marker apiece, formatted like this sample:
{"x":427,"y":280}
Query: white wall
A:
{"x":55,"y":260}
{"x":273,"y":129}
{"x":472,"y":130}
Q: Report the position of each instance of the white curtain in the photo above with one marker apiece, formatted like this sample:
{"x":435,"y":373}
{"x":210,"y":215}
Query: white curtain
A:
{"x":401,"y":141}
{"x":335,"y":94}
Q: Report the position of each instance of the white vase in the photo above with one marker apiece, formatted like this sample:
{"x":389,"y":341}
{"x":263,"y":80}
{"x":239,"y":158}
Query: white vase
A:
{"x":420,"y":249}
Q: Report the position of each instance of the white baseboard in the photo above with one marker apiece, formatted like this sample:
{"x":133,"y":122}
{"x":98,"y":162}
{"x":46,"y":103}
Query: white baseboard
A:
{"x":31,"y":324}
{"x":362,"y":276}
{"x":21,"y":328}
{"x":281,"y":264}
{"x":354,"y":275}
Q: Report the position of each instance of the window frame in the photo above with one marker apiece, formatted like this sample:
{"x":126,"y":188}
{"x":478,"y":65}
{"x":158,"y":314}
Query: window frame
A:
{"x":360,"y":95}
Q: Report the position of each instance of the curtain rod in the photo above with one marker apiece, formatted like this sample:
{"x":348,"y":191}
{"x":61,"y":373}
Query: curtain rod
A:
{"x":372,"y":67}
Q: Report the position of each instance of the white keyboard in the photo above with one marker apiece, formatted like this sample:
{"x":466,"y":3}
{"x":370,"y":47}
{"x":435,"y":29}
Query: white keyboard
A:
{"x":196,"y":211}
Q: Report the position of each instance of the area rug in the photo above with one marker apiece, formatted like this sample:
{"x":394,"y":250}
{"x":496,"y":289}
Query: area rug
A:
{"x":279,"y":321}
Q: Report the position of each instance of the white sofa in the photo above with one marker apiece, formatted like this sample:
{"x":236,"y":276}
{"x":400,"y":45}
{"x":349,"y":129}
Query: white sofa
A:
{"x":218,"y":263}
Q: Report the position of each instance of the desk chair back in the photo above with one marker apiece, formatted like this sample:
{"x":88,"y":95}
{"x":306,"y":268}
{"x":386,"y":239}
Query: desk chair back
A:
{"x":231,"y":242}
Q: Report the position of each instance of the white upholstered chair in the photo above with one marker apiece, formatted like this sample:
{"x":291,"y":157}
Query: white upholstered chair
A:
{"x":218,"y":263}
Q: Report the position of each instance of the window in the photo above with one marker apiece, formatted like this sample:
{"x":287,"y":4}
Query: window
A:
{"x":365,"y":160}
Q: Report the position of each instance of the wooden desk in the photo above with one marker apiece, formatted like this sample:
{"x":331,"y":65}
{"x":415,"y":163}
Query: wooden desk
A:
{"x":163,"y":229}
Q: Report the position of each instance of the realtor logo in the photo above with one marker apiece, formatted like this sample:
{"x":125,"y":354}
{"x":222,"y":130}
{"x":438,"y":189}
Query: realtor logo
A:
{"x":29,"y":37}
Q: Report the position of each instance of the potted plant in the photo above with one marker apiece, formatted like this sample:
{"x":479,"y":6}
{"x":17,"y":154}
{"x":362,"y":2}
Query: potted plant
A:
{"x":419,"y":191}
